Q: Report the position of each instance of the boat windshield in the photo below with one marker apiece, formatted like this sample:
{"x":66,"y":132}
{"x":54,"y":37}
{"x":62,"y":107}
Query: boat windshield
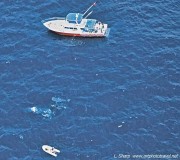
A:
{"x":90,"y":23}
{"x":74,"y":17}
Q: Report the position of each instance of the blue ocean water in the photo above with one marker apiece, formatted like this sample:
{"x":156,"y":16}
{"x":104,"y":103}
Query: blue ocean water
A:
{"x":94,"y":99}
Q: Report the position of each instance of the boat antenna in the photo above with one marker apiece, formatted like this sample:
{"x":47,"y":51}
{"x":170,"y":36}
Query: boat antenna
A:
{"x":89,"y":14}
{"x":89,"y":8}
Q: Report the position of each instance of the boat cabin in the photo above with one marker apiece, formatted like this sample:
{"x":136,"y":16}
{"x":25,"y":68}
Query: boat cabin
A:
{"x":75,"y":18}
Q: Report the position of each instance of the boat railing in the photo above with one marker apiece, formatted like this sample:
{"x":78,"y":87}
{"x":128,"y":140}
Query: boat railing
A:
{"x":53,"y":18}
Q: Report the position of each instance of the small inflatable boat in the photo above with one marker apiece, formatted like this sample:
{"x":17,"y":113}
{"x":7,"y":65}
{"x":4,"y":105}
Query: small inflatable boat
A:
{"x":50,"y":150}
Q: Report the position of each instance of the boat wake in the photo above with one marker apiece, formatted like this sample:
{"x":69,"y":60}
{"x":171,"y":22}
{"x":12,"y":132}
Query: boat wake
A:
{"x":73,"y":42}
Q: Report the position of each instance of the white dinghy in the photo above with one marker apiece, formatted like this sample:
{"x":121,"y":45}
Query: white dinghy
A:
{"x":50,"y":150}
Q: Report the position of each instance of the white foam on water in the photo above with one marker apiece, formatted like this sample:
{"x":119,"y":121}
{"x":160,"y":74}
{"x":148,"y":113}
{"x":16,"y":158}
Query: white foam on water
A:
{"x":47,"y":113}
{"x":34,"y":109}
{"x":60,"y":100}
{"x":21,"y":136}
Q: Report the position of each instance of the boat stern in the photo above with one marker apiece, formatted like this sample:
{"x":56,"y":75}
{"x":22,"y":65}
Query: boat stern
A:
{"x":107,"y":32}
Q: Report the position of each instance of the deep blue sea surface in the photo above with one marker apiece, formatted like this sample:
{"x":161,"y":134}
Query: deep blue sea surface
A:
{"x":92,"y":98}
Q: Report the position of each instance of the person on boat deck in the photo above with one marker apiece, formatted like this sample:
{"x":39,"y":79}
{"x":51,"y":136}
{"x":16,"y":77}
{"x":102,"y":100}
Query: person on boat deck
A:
{"x":100,"y":26}
{"x":52,"y":150}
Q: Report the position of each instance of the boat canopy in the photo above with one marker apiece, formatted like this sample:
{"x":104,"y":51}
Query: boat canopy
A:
{"x":90,"y":23}
{"x":74,"y":17}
